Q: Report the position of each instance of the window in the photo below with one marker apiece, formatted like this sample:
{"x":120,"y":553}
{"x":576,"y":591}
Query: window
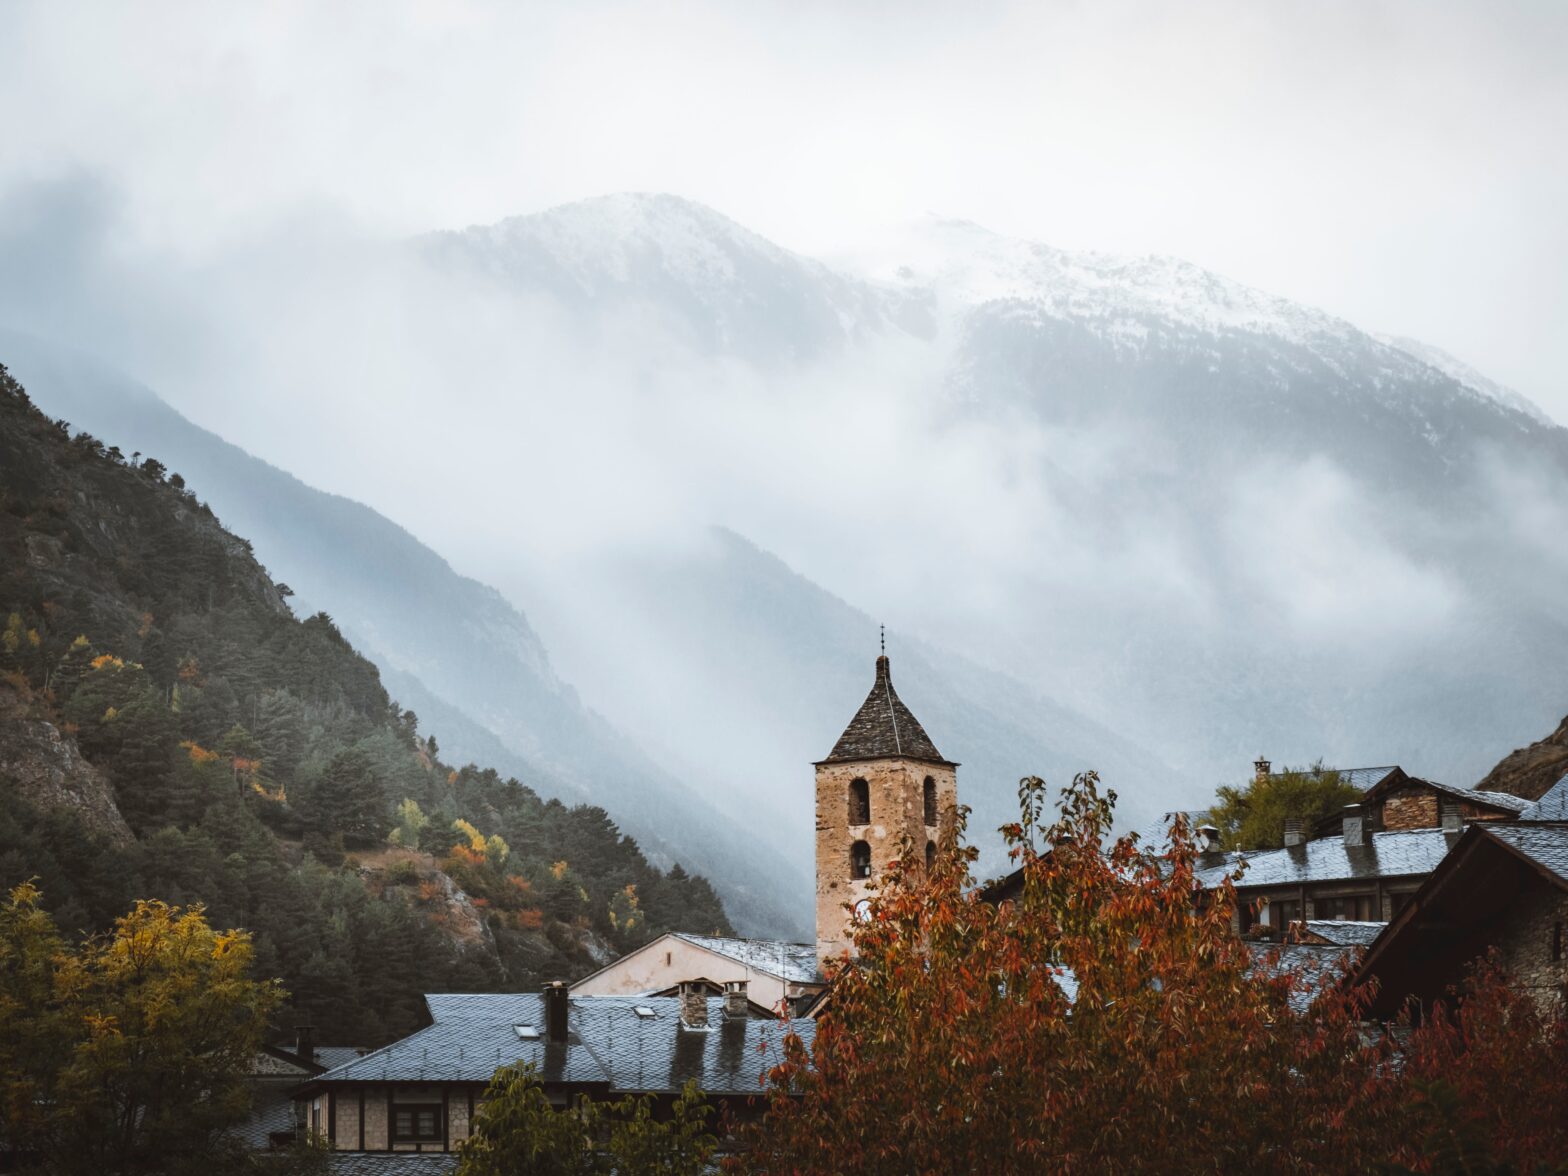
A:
{"x":859,"y":802}
{"x":526,"y":1032}
{"x":1346,"y":908}
{"x":1282,"y":912}
{"x":930,"y":856}
{"x":860,"y":860}
{"x":1557,"y":942}
{"x":930,"y":801}
{"x":416,"y":1123}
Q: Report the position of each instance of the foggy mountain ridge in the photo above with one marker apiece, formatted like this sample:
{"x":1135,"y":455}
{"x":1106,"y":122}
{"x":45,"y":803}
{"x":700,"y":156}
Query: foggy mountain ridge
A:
{"x":1205,"y":518}
{"x":1306,"y":502}
{"x":726,"y":282}
{"x":449,"y":648}
{"x":473,"y":668}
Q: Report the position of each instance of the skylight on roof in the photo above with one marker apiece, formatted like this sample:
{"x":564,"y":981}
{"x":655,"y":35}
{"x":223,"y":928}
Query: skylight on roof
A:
{"x":644,"y":1011}
{"x":527,"y":1032}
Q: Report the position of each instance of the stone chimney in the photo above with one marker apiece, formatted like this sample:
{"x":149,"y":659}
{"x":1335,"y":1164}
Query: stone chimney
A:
{"x":556,"y":996}
{"x":305,"y":1042}
{"x":1354,"y":826}
{"x":1293,"y":835}
{"x":1260,"y":770}
{"x":1450,"y":817}
{"x":735,"y":1003}
{"x":694,"y":1004}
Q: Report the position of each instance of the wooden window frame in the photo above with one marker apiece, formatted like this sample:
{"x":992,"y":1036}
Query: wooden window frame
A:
{"x":438,"y":1121}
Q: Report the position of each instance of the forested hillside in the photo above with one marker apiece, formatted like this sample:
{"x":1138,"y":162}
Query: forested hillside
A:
{"x":154,"y":672}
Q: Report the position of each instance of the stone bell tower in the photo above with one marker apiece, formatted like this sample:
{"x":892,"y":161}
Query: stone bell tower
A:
{"x":884,"y":779}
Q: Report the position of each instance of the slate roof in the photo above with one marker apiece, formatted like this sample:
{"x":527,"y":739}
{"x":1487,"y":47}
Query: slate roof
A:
{"x":1156,"y":834}
{"x":1544,"y":844}
{"x":1363,"y":778}
{"x":883,"y":727}
{"x":795,"y":963}
{"x":1316,"y":967}
{"x":1552,"y":806}
{"x":1327,"y":859}
{"x":382,"y":1164}
{"x":608,"y":1044}
{"x":1345,"y":932}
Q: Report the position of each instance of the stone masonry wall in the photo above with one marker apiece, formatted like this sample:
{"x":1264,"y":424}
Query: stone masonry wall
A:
{"x":1410,"y":810}
{"x":1525,"y":945}
{"x":897,"y":790}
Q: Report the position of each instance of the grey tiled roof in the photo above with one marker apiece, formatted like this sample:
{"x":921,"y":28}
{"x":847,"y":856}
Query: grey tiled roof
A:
{"x":1156,"y":835}
{"x":382,"y":1164}
{"x":608,"y":1044}
{"x":1362,"y":778}
{"x":1505,"y":800}
{"x":336,"y":1055}
{"x":1552,"y":806}
{"x":1316,"y":967}
{"x":883,"y":727}
{"x":1327,"y":859}
{"x":1545,"y":844}
{"x":271,"y":1110}
{"x":793,"y":962}
{"x":1345,"y":932}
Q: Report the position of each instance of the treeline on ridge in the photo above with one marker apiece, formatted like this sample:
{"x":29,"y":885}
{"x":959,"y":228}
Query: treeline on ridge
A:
{"x":263,"y":770}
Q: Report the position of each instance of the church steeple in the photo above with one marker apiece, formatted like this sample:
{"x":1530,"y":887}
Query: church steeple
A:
{"x":883,"y":782}
{"x":883,"y":727}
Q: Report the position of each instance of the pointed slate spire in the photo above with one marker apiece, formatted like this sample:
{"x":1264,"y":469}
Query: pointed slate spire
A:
{"x":884,"y":728}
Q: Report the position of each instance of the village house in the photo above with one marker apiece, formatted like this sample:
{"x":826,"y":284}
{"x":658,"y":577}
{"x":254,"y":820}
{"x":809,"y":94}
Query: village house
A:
{"x":1359,"y":876}
{"x":779,"y":976}
{"x":276,"y":1071}
{"x":419,"y":1095}
{"x":1504,"y":887}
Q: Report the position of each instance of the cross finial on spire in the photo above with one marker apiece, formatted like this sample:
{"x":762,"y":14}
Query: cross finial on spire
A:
{"x":883,"y":628}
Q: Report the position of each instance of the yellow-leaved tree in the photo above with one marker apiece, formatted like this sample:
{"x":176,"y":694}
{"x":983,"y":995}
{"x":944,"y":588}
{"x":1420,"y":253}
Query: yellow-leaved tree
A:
{"x":129,"y":1053}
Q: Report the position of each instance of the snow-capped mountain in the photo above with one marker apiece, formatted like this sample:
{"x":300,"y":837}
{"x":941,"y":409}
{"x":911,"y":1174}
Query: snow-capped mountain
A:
{"x":1458,"y":369}
{"x":1293,"y":522}
{"x":722,"y":287}
{"x":1208,"y":521}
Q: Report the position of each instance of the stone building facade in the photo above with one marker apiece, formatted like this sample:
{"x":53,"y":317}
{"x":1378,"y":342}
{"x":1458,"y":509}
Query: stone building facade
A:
{"x":882,"y":788}
{"x":1504,"y":887}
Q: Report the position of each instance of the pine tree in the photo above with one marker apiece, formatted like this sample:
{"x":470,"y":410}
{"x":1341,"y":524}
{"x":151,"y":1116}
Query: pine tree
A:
{"x":348,"y":800}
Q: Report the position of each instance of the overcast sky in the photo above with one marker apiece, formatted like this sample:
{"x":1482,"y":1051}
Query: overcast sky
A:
{"x":1400,"y":163}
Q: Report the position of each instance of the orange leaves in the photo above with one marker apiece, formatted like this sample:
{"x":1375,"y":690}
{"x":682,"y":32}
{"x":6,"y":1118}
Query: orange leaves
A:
{"x":430,"y":891}
{"x":199,"y":755}
{"x":1098,"y":1019}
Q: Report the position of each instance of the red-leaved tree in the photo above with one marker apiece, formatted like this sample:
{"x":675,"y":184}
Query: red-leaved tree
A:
{"x":1108,"y":1019}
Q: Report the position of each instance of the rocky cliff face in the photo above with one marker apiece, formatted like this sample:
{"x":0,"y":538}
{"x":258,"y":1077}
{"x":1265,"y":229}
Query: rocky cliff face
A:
{"x":1530,"y":771}
{"x":47,"y":770}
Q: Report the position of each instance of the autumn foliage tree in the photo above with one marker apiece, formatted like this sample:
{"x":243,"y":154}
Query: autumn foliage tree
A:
{"x":1106,"y":1018}
{"x":129,"y":1053}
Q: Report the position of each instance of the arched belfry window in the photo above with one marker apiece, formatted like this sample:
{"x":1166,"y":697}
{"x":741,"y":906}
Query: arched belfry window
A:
{"x":860,"y":860}
{"x":930,"y":801}
{"x":930,"y":856}
{"x":859,"y":802}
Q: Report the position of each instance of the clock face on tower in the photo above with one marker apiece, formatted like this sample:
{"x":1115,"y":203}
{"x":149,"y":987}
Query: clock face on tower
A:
{"x":862,"y":910}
